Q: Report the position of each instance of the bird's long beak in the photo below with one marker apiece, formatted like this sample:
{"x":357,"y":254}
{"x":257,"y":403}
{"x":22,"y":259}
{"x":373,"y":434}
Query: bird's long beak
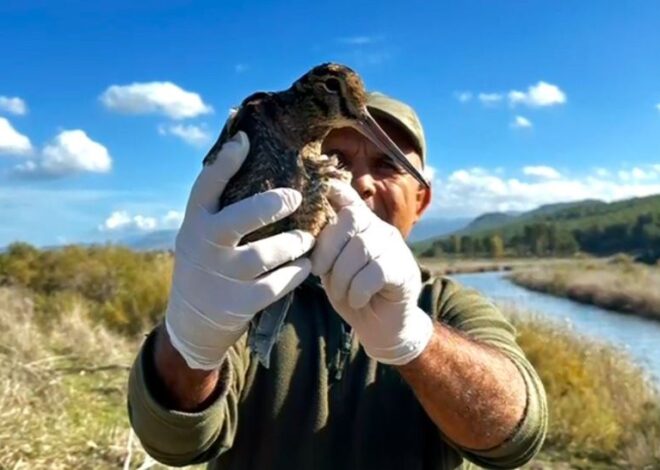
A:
{"x":370,"y":129}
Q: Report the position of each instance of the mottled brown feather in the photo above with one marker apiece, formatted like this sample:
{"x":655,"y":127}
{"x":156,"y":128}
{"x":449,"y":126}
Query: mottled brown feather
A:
{"x":286,"y":130}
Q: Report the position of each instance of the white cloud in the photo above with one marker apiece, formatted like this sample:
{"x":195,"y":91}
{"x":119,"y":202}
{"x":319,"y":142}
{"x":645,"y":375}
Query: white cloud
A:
{"x":520,"y":122}
{"x":144,"y":223}
{"x":39,"y":213}
{"x":541,"y":94}
{"x":639,"y":174}
{"x":476,"y":190}
{"x":116,"y":221}
{"x":69,"y":153}
{"x":370,"y":58}
{"x":489,"y":99}
{"x":172,"y":219}
{"x":542,"y":171}
{"x":123,"y":221}
{"x":11,"y":141}
{"x":463,"y":96}
{"x":191,"y":134}
{"x":657,"y":106}
{"x":429,"y":171}
{"x":155,"y":98}
{"x":13,"y":105}
{"x":602,"y":172}
{"x":358,"y":40}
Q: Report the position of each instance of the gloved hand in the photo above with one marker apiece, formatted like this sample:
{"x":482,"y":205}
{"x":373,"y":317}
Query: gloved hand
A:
{"x":219,"y":286}
{"x":371,"y":279}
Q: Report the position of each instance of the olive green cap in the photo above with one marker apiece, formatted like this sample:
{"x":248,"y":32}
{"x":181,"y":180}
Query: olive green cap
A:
{"x":381,"y":105}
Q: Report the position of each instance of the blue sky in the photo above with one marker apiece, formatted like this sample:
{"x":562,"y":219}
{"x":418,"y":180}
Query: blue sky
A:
{"x":107,"y":110}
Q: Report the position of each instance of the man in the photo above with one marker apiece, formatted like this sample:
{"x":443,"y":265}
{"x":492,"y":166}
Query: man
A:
{"x":377,"y":366}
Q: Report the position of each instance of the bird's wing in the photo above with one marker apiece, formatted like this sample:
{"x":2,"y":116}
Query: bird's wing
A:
{"x":239,"y":119}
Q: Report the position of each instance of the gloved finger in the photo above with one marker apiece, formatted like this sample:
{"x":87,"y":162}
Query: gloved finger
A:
{"x":237,"y":220}
{"x":350,"y":261}
{"x":257,"y":258}
{"x":201,"y":286}
{"x":276,"y":284}
{"x":212,"y":180}
{"x":365,"y":284}
{"x":335,"y":235}
{"x":341,"y":194}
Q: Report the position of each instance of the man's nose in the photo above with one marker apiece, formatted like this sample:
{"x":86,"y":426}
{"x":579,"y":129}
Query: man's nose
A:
{"x":363,"y":181}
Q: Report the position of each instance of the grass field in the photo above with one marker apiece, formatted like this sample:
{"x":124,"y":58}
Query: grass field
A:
{"x":62,"y":395}
{"x":62,"y":391}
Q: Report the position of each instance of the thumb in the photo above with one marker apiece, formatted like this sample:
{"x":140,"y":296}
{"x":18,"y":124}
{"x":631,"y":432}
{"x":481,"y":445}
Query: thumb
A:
{"x":341,"y":194}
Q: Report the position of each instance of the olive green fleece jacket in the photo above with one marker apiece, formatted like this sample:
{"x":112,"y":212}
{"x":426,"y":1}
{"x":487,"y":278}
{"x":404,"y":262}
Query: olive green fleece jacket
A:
{"x":324,"y":404}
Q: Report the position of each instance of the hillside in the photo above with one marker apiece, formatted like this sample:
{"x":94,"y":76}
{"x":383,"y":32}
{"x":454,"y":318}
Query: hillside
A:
{"x":631,"y":225}
{"x":488,"y":221}
{"x":435,"y":227}
{"x":158,"y":240}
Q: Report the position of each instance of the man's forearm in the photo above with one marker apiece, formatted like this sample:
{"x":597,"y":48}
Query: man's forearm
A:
{"x":183,"y":388}
{"x":473,"y":393}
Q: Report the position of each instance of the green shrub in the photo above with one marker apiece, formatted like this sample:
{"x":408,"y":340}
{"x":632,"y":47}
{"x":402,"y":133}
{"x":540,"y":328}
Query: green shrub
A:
{"x":127,"y":290}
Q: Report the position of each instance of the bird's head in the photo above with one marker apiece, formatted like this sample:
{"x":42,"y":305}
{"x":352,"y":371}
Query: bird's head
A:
{"x":331,"y":96}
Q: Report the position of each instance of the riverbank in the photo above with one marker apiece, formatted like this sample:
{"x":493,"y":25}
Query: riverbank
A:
{"x":618,"y":284}
{"x":448,"y":266}
{"x":63,"y":386}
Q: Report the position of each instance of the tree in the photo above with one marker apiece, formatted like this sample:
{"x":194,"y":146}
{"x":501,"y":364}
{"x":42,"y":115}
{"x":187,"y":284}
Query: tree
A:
{"x":467,"y":245}
{"x":495,"y":246}
{"x":455,"y":243}
{"x":565,"y":243}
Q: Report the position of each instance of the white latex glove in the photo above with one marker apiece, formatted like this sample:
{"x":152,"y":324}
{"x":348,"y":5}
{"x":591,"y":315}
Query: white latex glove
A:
{"x":219,"y":286}
{"x":371,"y":279}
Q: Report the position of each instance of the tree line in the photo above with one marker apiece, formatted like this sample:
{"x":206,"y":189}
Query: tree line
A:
{"x":551,"y":238}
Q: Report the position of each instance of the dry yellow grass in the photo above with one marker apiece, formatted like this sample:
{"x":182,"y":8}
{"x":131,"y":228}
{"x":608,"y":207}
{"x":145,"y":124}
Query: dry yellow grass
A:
{"x":618,"y":284}
{"x":604,"y":412}
{"x":60,"y":409}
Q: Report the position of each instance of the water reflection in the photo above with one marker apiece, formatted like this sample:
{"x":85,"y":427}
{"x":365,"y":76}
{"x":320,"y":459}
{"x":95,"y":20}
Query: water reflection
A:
{"x":639,"y":336}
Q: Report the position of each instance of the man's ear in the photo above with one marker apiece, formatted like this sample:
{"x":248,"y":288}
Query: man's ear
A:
{"x":423,"y":199}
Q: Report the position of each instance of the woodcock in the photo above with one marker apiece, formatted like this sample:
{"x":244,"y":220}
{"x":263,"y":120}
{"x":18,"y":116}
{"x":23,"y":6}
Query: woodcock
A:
{"x":286,"y":130}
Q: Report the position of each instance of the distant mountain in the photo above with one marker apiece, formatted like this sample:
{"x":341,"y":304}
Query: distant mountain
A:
{"x":435,"y":227}
{"x":630,"y":225}
{"x":582,"y":206}
{"x":503,"y":221}
{"x":488,"y":220}
{"x":158,"y":240}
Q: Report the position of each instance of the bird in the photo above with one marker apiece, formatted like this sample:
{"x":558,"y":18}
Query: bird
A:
{"x":286,"y":130}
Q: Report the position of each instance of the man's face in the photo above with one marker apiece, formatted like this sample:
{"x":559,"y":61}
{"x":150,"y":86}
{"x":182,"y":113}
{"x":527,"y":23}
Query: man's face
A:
{"x":394,"y":195}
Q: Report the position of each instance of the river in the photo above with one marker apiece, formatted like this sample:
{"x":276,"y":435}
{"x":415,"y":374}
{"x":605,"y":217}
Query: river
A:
{"x":639,"y":336}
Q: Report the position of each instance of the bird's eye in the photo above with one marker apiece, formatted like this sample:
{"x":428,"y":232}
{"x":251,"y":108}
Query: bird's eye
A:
{"x":332,"y":85}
